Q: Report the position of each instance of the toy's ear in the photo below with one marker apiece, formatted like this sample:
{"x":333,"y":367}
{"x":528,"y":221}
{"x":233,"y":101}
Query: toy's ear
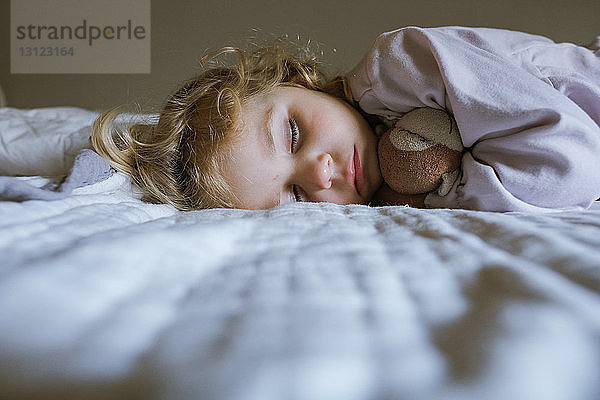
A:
{"x":423,"y":145}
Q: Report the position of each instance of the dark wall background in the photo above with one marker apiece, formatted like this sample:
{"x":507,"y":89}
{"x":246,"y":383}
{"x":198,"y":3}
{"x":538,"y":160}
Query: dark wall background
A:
{"x":183,"y":30}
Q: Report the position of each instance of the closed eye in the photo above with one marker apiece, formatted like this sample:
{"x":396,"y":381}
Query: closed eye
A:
{"x":294,"y":134}
{"x":298,"y":194}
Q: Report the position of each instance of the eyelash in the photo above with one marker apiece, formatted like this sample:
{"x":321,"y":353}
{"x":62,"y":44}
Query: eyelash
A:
{"x":294,"y":135}
{"x":297,"y":195}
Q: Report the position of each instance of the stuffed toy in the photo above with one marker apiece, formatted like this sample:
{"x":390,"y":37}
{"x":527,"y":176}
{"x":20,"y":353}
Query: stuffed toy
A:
{"x":419,"y":154}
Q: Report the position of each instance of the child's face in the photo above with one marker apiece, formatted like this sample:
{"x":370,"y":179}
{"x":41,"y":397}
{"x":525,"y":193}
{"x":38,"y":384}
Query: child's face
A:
{"x":301,"y":145}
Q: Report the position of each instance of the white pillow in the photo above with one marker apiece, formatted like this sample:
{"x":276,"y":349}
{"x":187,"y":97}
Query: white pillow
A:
{"x":42,"y":141}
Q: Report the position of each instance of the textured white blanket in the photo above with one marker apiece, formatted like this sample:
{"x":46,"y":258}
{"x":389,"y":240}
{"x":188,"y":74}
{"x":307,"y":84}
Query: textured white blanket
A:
{"x":103,"y":296}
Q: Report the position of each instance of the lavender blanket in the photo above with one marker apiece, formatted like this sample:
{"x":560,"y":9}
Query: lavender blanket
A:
{"x":88,"y":168}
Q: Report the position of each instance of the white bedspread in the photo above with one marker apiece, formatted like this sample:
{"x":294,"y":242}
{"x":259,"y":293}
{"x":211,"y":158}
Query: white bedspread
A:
{"x":103,"y":296}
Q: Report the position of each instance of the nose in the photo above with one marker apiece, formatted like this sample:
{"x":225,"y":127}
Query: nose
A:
{"x":320,"y":171}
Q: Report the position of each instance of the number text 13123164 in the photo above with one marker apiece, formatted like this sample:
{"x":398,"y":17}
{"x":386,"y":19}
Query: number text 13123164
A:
{"x":46,"y":51}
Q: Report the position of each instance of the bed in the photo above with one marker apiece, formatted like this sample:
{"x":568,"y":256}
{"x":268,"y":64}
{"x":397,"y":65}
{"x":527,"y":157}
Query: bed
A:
{"x":104,"y":296}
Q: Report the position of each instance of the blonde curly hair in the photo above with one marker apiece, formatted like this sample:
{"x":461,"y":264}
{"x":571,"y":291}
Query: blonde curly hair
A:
{"x":178,"y":160}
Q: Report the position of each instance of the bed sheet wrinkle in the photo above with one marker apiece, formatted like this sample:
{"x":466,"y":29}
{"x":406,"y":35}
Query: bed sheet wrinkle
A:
{"x":142,"y":285}
{"x":396,"y":329}
{"x":260,"y":319}
{"x":47,"y":237}
{"x":573,"y":251}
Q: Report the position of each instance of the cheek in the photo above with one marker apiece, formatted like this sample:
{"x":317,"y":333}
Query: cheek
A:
{"x":332,"y":127}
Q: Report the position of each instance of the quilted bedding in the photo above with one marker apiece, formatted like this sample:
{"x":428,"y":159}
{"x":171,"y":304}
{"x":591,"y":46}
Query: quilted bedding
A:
{"x":104,"y":296}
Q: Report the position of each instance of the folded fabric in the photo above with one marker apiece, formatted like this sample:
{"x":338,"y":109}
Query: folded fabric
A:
{"x":88,"y":168}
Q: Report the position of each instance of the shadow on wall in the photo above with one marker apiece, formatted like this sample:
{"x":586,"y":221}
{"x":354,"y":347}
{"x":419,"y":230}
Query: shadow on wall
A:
{"x":2,"y":98}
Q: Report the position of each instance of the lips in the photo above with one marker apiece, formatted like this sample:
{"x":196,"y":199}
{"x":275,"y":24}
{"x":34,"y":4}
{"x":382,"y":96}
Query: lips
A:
{"x":359,"y":179}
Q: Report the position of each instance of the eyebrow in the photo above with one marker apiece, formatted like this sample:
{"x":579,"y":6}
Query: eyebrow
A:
{"x":269,"y":130}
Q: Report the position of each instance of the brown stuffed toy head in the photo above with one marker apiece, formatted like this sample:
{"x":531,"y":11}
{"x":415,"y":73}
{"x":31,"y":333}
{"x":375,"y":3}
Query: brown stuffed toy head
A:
{"x":423,"y":145}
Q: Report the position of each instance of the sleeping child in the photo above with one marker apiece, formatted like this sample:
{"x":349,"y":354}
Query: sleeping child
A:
{"x":271,"y":128}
